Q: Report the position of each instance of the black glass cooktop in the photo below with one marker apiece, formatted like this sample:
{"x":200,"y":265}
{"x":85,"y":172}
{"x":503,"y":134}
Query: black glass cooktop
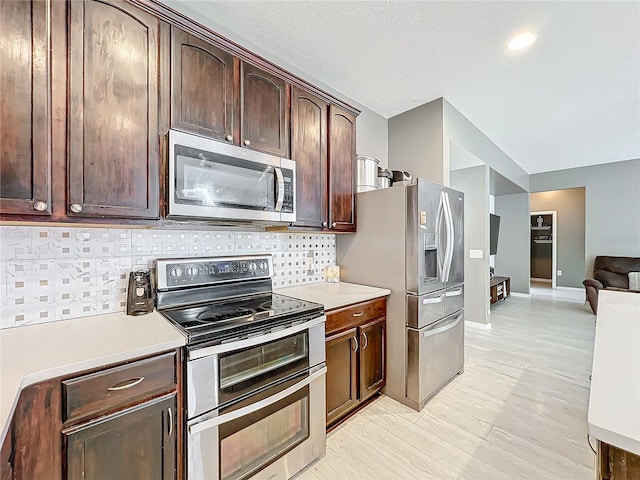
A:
{"x":238,"y":316}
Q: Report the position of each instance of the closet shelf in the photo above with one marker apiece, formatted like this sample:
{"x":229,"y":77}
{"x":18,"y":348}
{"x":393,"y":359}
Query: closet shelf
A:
{"x":543,"y":241}
{"x":541,"y":228}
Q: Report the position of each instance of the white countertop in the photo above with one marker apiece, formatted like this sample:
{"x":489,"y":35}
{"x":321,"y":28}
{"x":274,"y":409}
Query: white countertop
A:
{"x":334,"y":295}
{"x":614,"y":399}
{"x":39,"y":352}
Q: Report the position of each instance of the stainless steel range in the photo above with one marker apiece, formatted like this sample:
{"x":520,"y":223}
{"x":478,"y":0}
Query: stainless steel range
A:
{"x":255,"y":375}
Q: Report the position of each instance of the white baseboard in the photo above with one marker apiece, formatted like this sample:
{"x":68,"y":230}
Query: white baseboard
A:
{"x":481,"y":326}
{"x":571,"y":289}
{"x":544,"y":280}
{"x":518,"y":294}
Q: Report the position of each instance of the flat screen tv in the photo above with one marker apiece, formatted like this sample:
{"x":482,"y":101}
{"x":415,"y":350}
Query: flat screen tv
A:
{"x":494,"y":230}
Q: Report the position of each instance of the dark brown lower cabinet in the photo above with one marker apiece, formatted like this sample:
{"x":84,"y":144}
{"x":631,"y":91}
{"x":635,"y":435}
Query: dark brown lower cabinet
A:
{"x":342,"y":371}
{"x":139,"y":442}
{"x":372,"y":357}
{"x":356,"y":356}
{"x":617,"y":464}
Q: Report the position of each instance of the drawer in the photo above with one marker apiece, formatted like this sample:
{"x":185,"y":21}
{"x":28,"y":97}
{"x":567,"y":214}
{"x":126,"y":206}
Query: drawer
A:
{"x":355,"y":315}
{"x":107,"y":390}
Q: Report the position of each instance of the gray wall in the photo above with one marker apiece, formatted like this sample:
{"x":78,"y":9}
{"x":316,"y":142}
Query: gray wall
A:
{"x":512,"y":259}
{"x":371,"y":127}
{"x":570,"y":234}
{"x":415,"y":142}
{"x":474,"y":182}
{"x":612,"y":205}
{"x":461,"y":131}
{"x":372,"y":136}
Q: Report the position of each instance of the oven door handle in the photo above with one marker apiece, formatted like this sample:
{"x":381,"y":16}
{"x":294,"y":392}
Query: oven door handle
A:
{"x":279,"y":189}
{"x":253,"y":341}
{"x":241,"y":412}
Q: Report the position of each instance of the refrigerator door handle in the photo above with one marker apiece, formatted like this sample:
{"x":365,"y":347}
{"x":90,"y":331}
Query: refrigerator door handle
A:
{"x":449,"y":226}
{"x":440,"y":253}
{"x":442,"y":327}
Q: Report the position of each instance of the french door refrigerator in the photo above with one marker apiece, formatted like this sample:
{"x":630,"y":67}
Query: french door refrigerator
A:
{"x":410,"y":239}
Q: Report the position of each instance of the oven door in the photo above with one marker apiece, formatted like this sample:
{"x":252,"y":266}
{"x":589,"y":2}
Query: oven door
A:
{"x":216,"y":180}
{"x":270,"y":435}
{"x":221,"y":374}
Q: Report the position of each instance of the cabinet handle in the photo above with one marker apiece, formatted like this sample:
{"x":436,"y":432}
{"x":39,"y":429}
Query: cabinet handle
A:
{"x":40,"y":206}
{"x":334,"y":224}
{"x":170,"y":421}
{"x":75,"y":207}
{"x":247,"y":142}
{"x":365,"y":341}
{"x":354,"y":340}
{"x":324,"y":224}
{"x":359,"y":314}
{"x":126,"y":384}
{"x":229,"y":138}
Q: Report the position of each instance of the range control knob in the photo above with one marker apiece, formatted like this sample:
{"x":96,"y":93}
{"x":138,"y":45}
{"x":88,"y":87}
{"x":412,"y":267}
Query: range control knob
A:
{"x":191,"y":271}
{"x":175,"y":272}
{"x":263,"y":265}
{"x":252,"y":266}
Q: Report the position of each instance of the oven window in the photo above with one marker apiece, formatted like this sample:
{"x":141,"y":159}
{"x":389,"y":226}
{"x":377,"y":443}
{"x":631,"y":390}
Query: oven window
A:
{"x":224,"y":182}
{"x":246,"y":370}
{"x":250,"y":443}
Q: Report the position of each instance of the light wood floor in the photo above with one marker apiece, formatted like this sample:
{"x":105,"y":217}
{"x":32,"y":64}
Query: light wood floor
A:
{"x":518,"y":411}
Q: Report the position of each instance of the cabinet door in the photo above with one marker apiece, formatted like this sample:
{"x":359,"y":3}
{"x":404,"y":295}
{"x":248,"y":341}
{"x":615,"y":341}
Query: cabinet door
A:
{"x":265,"y":113}
{"x":342,"y":376}
{"x":342,"y":160}
{"x":309,"y":150}
{"x":372,"y":357}
{"x":137,"y":443}
{"x":204,"y":88}
{"x":113,"y":119}
{"x":25,"y":156}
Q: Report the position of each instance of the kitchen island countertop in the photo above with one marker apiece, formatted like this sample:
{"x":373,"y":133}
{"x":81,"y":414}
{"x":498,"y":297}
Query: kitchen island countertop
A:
{"x":35,"y":353}
{"x":334,"y":295}
{"x":614,"y":397}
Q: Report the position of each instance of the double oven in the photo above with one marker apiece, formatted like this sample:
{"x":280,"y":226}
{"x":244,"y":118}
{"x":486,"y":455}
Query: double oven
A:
{"x":255,"y":371}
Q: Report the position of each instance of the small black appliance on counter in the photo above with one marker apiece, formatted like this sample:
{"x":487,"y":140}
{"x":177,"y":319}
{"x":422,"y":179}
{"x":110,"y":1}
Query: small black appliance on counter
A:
{"x":140,"y":293}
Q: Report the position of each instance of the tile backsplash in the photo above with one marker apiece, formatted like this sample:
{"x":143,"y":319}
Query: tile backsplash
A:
{"x":56,"y":273}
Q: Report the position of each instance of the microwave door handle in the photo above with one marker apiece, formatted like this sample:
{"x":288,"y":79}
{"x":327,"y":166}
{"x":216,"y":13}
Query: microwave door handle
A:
{"x":279,"y":189}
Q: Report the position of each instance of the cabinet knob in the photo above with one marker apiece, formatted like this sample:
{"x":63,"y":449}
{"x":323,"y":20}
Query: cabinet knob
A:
{"x":40,"y":206}
{"x":75,"y":207}
{"x":324,"y":224}
{"x":247,"y":142}
{"x":229,"y":138}
{"x":334,"y":224}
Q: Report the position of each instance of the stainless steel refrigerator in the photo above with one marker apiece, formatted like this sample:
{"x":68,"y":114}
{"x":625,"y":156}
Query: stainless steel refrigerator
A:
{"x":410,"y":239}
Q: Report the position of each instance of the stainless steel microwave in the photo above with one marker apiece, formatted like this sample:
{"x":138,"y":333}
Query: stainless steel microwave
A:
{"x":214,"y":180}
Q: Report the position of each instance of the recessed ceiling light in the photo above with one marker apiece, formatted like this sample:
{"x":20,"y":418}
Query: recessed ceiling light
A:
{"x":522,"y":40}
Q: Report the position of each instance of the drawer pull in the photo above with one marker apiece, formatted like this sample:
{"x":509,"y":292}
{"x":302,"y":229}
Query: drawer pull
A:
{"x":126,"y":384}
{"x":359,"y":314}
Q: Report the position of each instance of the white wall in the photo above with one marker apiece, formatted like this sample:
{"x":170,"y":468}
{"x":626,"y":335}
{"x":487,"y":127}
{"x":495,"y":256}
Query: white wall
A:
{"x":612,"y":210}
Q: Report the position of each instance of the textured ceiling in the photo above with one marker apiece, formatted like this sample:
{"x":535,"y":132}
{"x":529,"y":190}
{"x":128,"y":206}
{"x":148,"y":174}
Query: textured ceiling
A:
{"x":572,"y":99}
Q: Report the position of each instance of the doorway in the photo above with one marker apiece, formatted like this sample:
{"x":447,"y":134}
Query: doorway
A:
{"x":544,"y":251}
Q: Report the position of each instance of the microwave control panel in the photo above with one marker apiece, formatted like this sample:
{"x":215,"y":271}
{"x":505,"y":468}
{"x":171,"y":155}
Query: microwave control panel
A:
{"x":287,"y":204}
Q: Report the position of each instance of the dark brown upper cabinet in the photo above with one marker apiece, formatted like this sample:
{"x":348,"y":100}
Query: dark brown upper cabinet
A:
{"x":264,"y":111}
{"x":25,"y":133}
{"x":204,"y":88}
{"x":113,"y":157}
{"x":309,"y":150}
{"x":342,"y":161}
